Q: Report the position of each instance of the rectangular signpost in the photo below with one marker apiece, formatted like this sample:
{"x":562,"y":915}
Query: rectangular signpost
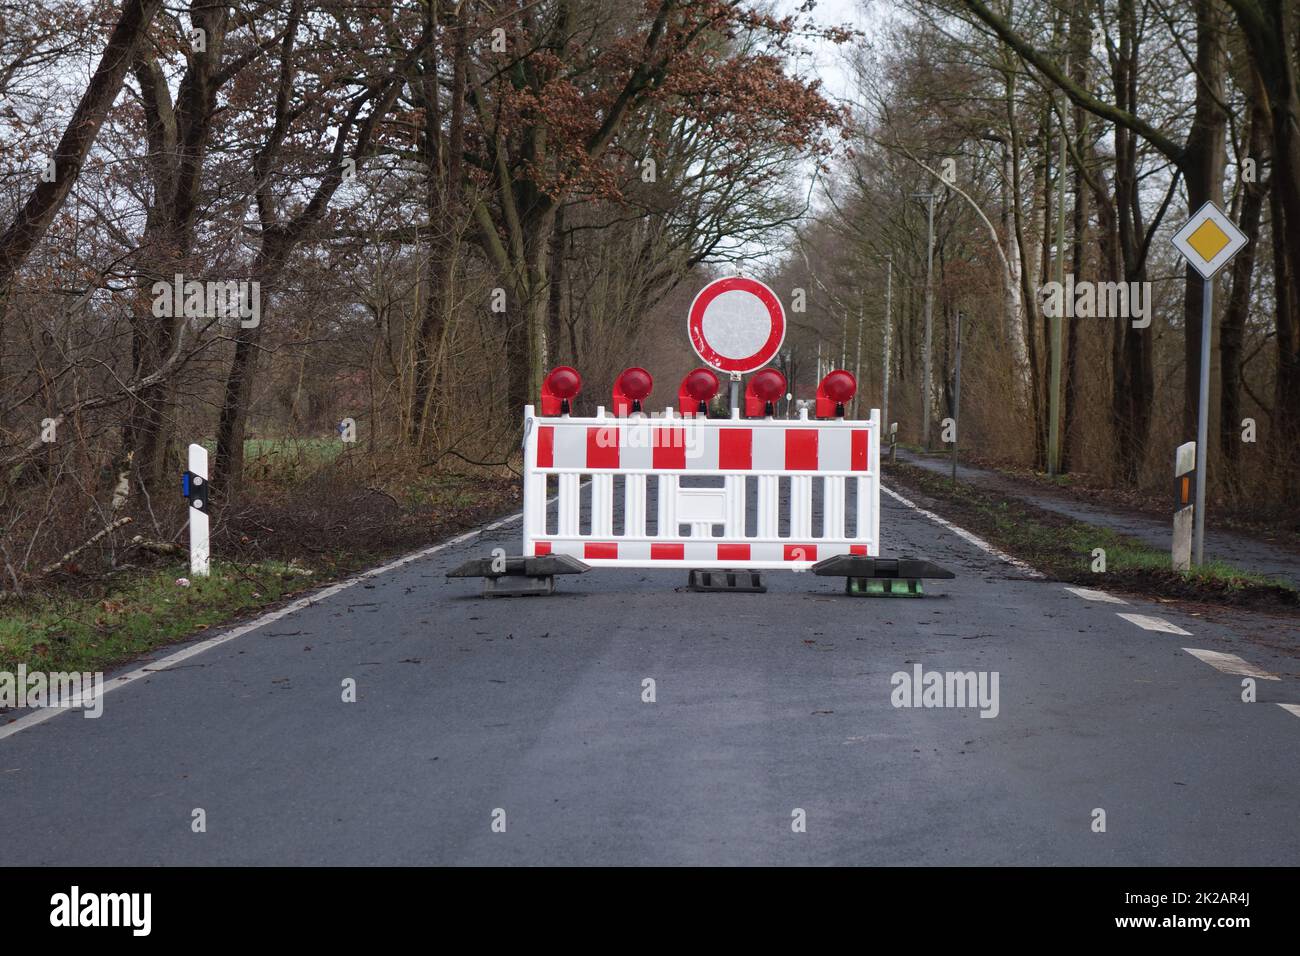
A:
{"x":956,"y":404}
{"x":1184,"y":510}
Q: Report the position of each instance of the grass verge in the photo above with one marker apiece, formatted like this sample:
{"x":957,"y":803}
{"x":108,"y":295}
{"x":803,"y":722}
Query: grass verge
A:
{"x":136,"y":612}
{"x":1063,"y":548}
{"x":288,"y":533}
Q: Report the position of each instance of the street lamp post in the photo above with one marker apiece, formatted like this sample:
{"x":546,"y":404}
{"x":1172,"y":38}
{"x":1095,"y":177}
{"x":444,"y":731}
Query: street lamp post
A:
{"x":889,"y":331}
{"x":857,"y":362}
{"x":929,"y":198}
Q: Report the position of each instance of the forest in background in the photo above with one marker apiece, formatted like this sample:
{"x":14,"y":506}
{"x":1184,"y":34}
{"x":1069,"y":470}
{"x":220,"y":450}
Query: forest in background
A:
{"x":440,"y":200}
{"x":1072,"y":137}
{"x":436,"y":201}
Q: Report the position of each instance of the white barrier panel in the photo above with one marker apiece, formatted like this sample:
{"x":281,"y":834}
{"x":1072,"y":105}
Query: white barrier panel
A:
{"x":823,"y":462}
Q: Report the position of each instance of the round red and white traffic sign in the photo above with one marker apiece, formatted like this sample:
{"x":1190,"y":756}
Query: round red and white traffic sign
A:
{"x":736,"y":325}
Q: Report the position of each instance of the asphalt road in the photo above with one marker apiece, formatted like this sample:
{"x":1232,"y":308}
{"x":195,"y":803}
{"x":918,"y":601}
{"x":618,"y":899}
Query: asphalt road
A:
{"x":765,"y":705}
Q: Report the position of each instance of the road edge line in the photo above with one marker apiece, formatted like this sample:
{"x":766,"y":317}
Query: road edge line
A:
{"x":270,"y":617}
{"x":967,"y":535}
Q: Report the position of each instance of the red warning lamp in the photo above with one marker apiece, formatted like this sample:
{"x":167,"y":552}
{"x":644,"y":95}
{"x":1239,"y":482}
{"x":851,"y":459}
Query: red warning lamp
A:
{"x":562,"y":384}
{"x":835,"y":391}
{"x":697,"y":389}
{"x":762,"y":392}
{"x":633,"y":385}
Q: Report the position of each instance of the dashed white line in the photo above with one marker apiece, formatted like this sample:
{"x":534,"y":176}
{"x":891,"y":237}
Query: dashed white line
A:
{"x":1230,"y":664}
{"x":1149,"y":623}
{"x":965,"y":535}
{"x":1227,"y":663}
{"x":162,"y":664}
{"x":1089,"y":594}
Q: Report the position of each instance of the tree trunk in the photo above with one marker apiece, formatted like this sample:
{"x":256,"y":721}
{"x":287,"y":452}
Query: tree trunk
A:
{"x":526,"y":332}
{"x":1073,"y":380}
{"x":555,"y":296}
{"x":47,"y":198}
{"x":178,"y":142}
{"x":1029,"y":300}
{"x":1203,"y":163}
{"x":1134,"y":382}
{"x":429,"y":333}
{"x":1080,"y":39}
{"x":1041,"y":421}
{"x":1232,"y":331}
{"x":228,"y":472}
{"x":1284,"y":432}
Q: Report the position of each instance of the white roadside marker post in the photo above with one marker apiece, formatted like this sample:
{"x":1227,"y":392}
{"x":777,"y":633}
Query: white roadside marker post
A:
{"x":1184,"y":471}
{"x":196,"y":488}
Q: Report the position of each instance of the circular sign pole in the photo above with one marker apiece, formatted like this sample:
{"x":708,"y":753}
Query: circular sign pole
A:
{"x":736,"y":325}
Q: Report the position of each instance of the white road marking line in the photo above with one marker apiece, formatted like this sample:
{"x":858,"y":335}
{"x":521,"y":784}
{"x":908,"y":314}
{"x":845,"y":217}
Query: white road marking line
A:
{"x":1291,"y":708}
{"x":1148,"y":623}
{"x":1230,"y":664}
{"x":1089,"y":594}
{"x":153,"y":667}
{"x":964,"y":534}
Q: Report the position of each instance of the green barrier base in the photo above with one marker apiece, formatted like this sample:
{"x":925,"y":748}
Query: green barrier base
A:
{"x":883,"y":587}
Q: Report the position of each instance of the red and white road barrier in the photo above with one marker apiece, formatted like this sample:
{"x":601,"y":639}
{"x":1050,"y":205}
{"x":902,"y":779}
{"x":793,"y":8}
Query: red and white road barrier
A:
{"x":830,"y":465}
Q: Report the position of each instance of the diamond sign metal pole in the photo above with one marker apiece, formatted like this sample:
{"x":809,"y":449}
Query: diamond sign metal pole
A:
{"x":1208,"y":241}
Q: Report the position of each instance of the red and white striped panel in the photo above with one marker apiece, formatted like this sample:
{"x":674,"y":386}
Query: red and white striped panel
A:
{"x":686,"y":447}
{"x":594,"y":552}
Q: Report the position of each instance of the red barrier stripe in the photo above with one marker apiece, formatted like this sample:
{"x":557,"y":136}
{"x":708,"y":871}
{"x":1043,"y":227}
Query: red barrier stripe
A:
{"x":808,"y":552}
{"x":602,"y":446}
{"x":669,"y":448}
{"x":546,"y":446}
{"x":736,"y":449}
{"x":667,"y":552}
{"x":858,"y":454}
{"x":733,"y":552}
{"x":594,"y":549}
{"x":801,"y":449}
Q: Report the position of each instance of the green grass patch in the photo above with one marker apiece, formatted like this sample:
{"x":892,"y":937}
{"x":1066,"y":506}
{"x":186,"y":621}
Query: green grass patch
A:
{"x":1063,"y":548}
{"x":134,"y":613}
{"x":285,"y":460}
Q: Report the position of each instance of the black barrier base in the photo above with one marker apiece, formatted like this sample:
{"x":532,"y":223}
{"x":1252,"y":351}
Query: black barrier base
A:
{"x":707,"y":579}
{"x":880,"y":577}
{"x":519,"y":576}
{"x":518,"y":585}
{"x":861,"y":566}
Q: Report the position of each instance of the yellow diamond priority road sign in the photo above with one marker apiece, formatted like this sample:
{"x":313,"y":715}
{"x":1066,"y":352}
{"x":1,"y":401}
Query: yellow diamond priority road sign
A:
{"x":1209,"y":239}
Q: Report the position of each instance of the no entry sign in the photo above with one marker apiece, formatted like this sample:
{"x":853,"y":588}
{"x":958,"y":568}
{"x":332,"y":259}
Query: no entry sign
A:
{"x":736,"y":325}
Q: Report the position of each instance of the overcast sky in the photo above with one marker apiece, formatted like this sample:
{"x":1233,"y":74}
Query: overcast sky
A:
{"x":826,"y":60}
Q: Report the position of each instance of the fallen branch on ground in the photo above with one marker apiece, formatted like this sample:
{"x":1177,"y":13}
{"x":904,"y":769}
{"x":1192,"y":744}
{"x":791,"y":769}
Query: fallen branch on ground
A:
{"x":85,"y":544}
